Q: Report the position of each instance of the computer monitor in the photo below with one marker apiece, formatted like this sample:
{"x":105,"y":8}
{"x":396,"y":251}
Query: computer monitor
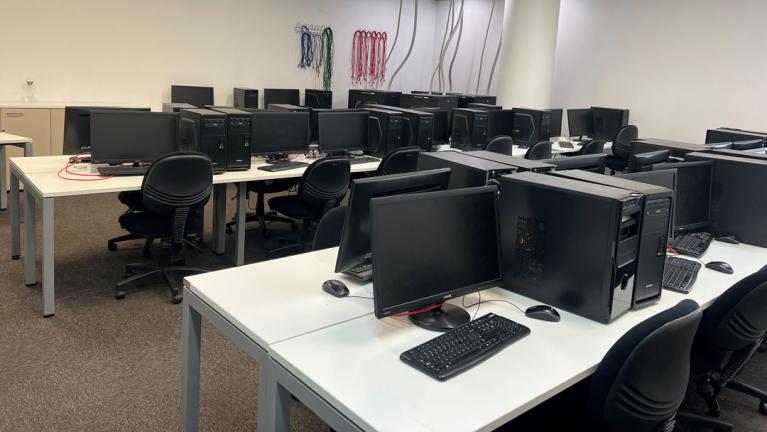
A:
{"x":580,"y":122}
{"x":314,"y":125}
{"x":340,"y":131}
{"x":692,"y":197}
{"x":555,"y":129}
{"x":274,"y":134}
{"x":132,"y":136}
{"x":608,"y":122}
{"x":354,"y":250}
{"x":194,"y":95}
{"x":281,"y":96}
{"x":431,"y":247}
{"x":77,"y":127}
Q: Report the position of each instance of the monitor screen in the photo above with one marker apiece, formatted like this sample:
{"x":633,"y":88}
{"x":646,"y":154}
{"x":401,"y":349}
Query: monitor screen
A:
{"x":314,"y":125}
{"x":275,"y":132}
{"x":132,"y":136}
{"x":342,"y":130}
{"x":608,"y":122}
{"x":580,"y":122}
{"x":193,"y":95}
{"x":692,"y":197}
{"x":413,"y":267}
{"x":555,"y":129}
{"x":77,"y":127}
{"x":355,"y":237}
{"x":281,"y":96}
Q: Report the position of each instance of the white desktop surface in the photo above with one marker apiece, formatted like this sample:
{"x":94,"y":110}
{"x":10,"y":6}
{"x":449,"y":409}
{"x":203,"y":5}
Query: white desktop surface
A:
{"x":355,"y":366}
{"x":6,"y":138}
{"x":279,"y":299}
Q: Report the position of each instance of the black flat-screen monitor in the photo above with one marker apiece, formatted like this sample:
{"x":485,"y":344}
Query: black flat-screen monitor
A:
{"x":132,"y":136}
{"x":77,"y":127}
{"x":340,"y":131}
{"x":692,"y":197}
{"x":279,"y":133}
{"x":193,"y":95}
{"x":555,"y":128}
{"x":430,"y":247}
{"x":281,"y":96}
{"x":354,"y":249}
{"x":580,"y":122}
{"x":314,"y":124}
{"x":608,"y":122}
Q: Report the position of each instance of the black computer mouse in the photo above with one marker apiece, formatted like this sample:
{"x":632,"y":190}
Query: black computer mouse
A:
{"x":335,"y":288}
{"x":542,"y":312}
{"x":720,"y":266}
{"x":727,"y":239}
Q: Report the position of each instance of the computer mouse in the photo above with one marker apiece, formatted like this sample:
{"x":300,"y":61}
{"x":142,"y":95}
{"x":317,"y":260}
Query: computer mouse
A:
{"x":727,"y":239}
{"x":335,"y":287}
{"x":542,"y":312}
{"x":720,"y":266}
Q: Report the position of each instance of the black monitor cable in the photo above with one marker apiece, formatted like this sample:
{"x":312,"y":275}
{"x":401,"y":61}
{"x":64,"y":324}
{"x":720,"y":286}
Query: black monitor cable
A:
{"x":480,"y":301}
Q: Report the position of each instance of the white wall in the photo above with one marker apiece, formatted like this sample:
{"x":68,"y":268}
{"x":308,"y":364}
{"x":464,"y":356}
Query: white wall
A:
{"x":680,"y":66}
{"x":131,"y":51}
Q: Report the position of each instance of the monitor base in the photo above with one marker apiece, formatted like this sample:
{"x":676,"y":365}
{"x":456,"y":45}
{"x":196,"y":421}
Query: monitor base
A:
{"x":442,"y":319}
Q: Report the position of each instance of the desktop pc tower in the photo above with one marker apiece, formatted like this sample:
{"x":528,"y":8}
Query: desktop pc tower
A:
{"x":384,"y":131}
{"x":531,"y":126}
{"x":238,"y":123}
{"x":358,"y":98}
{"x":245,"y":97}
{"x":582,"y":260}
{"x":428,"y":101}
{"x":204,"y":131}
{"x":521,"y":164}
{"x":555,"y":130}
{"x":286,"y":108}
{"x":176,"y":106}
{"x":469,"y":130}
{"x":314,"y":98}
{"x":417,"y":126}
{"x":483,"y":106}
{"x":466,"y":171}
{"x":653,"y":231}
{"x":464,"y":100}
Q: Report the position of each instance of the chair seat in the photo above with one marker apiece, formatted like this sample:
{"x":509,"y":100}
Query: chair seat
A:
{"x":131,"y":199}
{"x":616,"y":164}
{"x":294,"y":207}
{"x":272,"y":186}
{"x":156,"y":225}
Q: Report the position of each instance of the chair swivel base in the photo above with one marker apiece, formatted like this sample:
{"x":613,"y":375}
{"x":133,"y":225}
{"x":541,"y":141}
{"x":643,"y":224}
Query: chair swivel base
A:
{"x":145,"y":252}
{"x":262,"y":220}
{"x":136,"y":272}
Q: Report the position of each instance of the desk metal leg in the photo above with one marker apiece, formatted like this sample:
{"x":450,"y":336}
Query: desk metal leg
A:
{"x":15,"y":219}
{"x":219,"y":218}
{"x":48,"y":252}
{"x":28,"y":149}
{"x":3,"y":186}
{"x":242,"y":201}
{"x":274,"y":401}
{"x":190,"y":368}
{"x":30,"y":252}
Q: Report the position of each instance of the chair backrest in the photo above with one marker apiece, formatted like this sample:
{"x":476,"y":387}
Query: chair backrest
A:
{"x":325,"y":181}
{"x":595,"y":163}
{"x":644,"y":161}
{"x":622,"y":142}
{"x":641,"y":382}
{"x":538,"y":151}
{"x":329,"y":229}
{"x":502,"y":144}
{"x":747,"y":145}
{"x":399,"y":161}
{"x":592,"y":147}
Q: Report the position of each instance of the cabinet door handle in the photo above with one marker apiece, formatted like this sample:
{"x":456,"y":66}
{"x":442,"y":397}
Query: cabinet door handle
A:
{"x":14,"y":114}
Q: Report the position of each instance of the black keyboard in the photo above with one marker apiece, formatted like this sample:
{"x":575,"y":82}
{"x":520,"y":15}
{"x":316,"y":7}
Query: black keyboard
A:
{"x":693,"y":244}
{"x":363,"y":272}
{"x":460,"y":349}
{"x":282,"y":166}
{"x":566,"y":144}
{"x":110,"y":171}
{"x":363,"y":159}
{"x":680,"y":274}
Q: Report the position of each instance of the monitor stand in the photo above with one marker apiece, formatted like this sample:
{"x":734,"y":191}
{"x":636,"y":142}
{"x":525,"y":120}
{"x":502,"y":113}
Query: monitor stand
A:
{"x":444,"y":318}
{"x":278,"y":158}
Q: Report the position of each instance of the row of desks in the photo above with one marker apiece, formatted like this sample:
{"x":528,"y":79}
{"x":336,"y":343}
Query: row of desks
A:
{"x":343,"y":363}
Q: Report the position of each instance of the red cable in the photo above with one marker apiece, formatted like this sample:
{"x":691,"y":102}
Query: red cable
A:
{"x":416,"y":312}
{"x":66,"y":170}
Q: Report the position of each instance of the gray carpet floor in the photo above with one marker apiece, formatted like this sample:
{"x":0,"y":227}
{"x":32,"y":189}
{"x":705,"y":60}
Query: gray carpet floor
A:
{"x":107,"y":365}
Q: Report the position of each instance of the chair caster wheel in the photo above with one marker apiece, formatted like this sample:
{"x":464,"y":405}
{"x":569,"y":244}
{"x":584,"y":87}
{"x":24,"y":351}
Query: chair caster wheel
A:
{"x":119,"y":295}
{"x":112,"y":246}
{"x":763,"y":407}
{"x":229,"y":230}
{"x":176,"y":298}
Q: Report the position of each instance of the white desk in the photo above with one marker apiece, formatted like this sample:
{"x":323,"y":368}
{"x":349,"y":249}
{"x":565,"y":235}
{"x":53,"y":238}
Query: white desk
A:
{"x":41,"y":180}
{"x":557,"y":149}
{"x":7,"y":139}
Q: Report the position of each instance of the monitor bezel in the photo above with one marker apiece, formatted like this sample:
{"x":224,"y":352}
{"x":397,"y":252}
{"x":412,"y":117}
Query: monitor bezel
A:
{"x":116,"y":161}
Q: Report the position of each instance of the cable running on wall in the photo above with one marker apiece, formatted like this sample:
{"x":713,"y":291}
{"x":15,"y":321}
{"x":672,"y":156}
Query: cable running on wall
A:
{"x":484,"y":44}
{"x":396,"y":34}
{"x":444,"y":48}
{"x":410,"y":50}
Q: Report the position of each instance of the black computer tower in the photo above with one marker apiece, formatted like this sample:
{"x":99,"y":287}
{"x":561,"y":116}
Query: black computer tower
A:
{"x":469,"y":130}
{"x":384,"y":131}
{"x":428,"y":100}
{"x":569,"y":244}
{"x":176,"y":106}
{"x":464,"y":100}
{"x":653,"y":231}
{"x":238,"y":123}
{"x":521,"y":164}
{"x":484,"y":106}
{"x":314,"y":98}
{"x":286,"y":108}
{"x":467,"y":171}
{"x":500,"y":122}
{"x":245,"y":97}
{"x":417,"y":126}
{"x":442,"y":124}
{"x":204,"y":131}
{"x":531,"y":126}
{"x":555,"y":129}
{"x":358,"y":98}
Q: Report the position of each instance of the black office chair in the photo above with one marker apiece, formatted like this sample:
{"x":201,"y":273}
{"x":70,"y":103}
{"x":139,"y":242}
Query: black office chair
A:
{"x":502,"y":144}
{"x":592,"y":147}
{"x":173,"y":194}
{"x":538,"y":151}
{"x":261,"y":188}
{"x":399,"y":161}
{"x":747,"y":145}
{"x":731,"y":331}
{"x":132,"y":200}
{"x":641,"y":381}
{"x":329,"y":229}
{"x":322,"y":187}
{"x":594,"y":163}
{"x":644,"y":161}
{"x":621,"y":148}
